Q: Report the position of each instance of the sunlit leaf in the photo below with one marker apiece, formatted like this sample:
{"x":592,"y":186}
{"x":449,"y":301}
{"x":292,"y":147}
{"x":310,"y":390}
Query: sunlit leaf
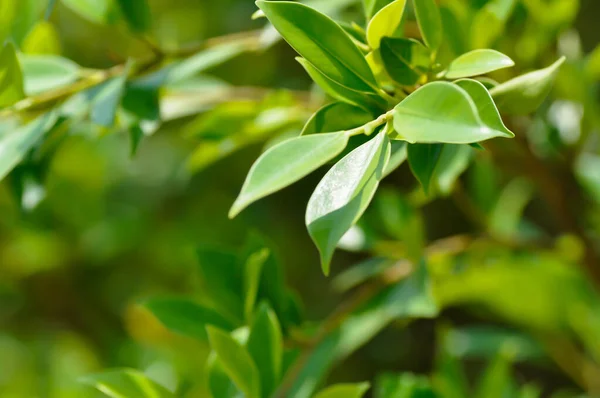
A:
{"x":430,"y":22}
{"x":42,"y":39}
{"x":477,"y":62}
{"x":97,"y":11}
{"x":47,"y":72}
{"x":126,"y":383}
{"x":11,"y":77}
{"x":385,"y":22}
{"x":344,"y":391}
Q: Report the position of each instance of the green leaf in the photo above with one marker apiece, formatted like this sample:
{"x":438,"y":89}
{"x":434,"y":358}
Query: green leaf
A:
{"x":236,"y":361}
{"x":496,"y":381}
{"x":42,"y":39}
{"x":135,"y":137}
{"x":342,"y":93}
{"x":337,"y":116}
{"x":97,"y":11}
{"x":106,"y":102}
{"x":423,"y":159}
{"x":371,"y":7}
{"x":453,"y":161}
{"x":525,"y":93}
{"x":219,"y":384}
{"x":322,"y":42}
{"x":343,"y":195}
{"x":488,"y":24}
{"x":485,"y":105}
{"x":507,"y":214}
{"x":265,"y":345}
{"x":286,"y":163}
{"x":11,"y":77}
{"x":126,"y":383}
{"x":405,"y":60}
{"x":15,"y":143}
{"x":477,"y":62}
{"x":252,"y":272}
{"x":397,"y":157}
{"x":47,"y":72}
{"x":405,"y":385}
{"x":441,"y":112}
{"x":137,"y":13}
{"x":385,"y":23}
{"x":430,"y":22}
{"x":186,"y":317}
{"x":344,"y":391}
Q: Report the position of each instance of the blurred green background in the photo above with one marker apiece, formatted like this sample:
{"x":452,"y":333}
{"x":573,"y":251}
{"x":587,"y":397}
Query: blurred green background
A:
{"x":105,"y":230}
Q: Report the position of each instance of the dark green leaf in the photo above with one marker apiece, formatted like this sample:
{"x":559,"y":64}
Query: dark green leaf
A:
{"x":430,"y":22}
{"x":423,"y":159}
{"x":252,"y":272}
{"x":126,"y":383}
{"x":219,"y":384}
{"x":137,"y":13}
{"x":477,"y":62}
{"x":405,"y":385}
{"x":337,"y":116}
{"x":453,"y":161}
{"x":135,"y":137}
{"x":405,"y":60}
{"x":11,"y":77}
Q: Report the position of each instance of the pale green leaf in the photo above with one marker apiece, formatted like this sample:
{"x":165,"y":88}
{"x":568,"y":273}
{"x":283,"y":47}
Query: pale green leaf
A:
{"x":441,"y":112}
{"x":106,"y":102}
{"x":344,"y":391}
{"x":430,"y":22}
{"x":97,"y":11}
{"x":336,"y":116}
{"x":385,"y":22}
{"x":126,"y":383}
{"x":286,"y":163}
{"x":477,"y":62}
{"x":236,"y":361}
{"x":321,"y":42}
{"x":11,"y":77}
{"x":252,"y":272}
{"x":371,"y":7}
{"x":423,"y":159}
{"x":47,"y":72}
{"x":525,"y":93}
{"x":343,"y":195}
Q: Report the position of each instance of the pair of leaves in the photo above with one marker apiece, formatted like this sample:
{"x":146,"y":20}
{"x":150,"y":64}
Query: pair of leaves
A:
{"x":442,"y":112}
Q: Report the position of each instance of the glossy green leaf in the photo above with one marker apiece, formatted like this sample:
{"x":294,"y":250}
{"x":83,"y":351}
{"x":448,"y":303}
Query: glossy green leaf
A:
{"x":385,"y":22}
{"x":16,"y":142}
{"x":97,"y":11}
{"x":525,"y":93}
{"x":106,"y":102}
{"x":137,"y":14}
{"x":236,"y":361}
{"x":47,"y":72}
{"x":343,"y":195}
{"x":441,"y":112}
{"x":42,"y":39}
{"x":265,"y":345}
{"x":339,"y":92}
{"x":477,"y":62}
{"x":252,"y":272}
{"x":405,"y":60}
{"x":485,"y":105}
{"x":423,"y":159}
{"x":321,"y":42}
{"x":337,"y":116}
{"x":286,"y":163}
{"x":397,"y":157}
{"x":11,"y":77}
{"x":126,"y":383}
{"x":186,"y":317}
{"x":430,"y":22}
{"x":344,"y":391}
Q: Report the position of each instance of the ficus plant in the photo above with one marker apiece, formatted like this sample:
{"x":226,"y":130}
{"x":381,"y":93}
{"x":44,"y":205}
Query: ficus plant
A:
{"x":400,"y":88}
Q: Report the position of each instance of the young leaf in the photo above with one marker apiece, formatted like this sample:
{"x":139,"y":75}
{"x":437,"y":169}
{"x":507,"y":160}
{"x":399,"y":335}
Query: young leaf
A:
{"x":286,"y":163}
{"x":265,"y":345}
{"x":47,"y":72}
{"x":126,"y":383}
{"x":336,"y":116}
{"x":252,"y":272}
{"x":485,"y":105}
{"x":321,"y":42}
{"x":430,"y":22}
{"x":405,"y":60}
{"x":344,"y":194}
{"x":477,"y":62}
{"x":11,"y":77}
{"x":441,"y":112}
{"x":373,"y":6}
{"x":423,"y":159}
{"x":342,"y":93}
{"x":525,"y":93}
{"x":385,"y":22}
{"x":236,"y":361}
{"x":137,"y":13}
{"x":186,"y":317}
{"x":106,"y":102}
{"x":344,"y":391}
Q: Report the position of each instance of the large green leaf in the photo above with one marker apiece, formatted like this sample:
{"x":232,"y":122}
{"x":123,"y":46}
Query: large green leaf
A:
{"x":265,"y":345}
{"x":126,"y":383}
{"x":47,"y":72}
{"x":344,"y":391}
{"x":385,"y":22}
{"x":286,"y":163}
{"x":15,"y":143}
{"x":11,"y":77}
{"x":441,"y":112}
{"x":525,"y":93}
{"x":340,"y":92}
{"x":236,"y":361}
{"x":477,"y":62}
{"x":321,"y":42}
{"x":344,"y":194}
{"x":423,"y":159}
{"x":430,"y":22}
{"x":405,"y":60}
{"x":186,"y":317}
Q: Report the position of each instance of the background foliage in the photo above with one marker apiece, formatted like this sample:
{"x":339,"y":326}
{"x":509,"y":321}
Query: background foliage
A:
{"x":116,"y":249}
